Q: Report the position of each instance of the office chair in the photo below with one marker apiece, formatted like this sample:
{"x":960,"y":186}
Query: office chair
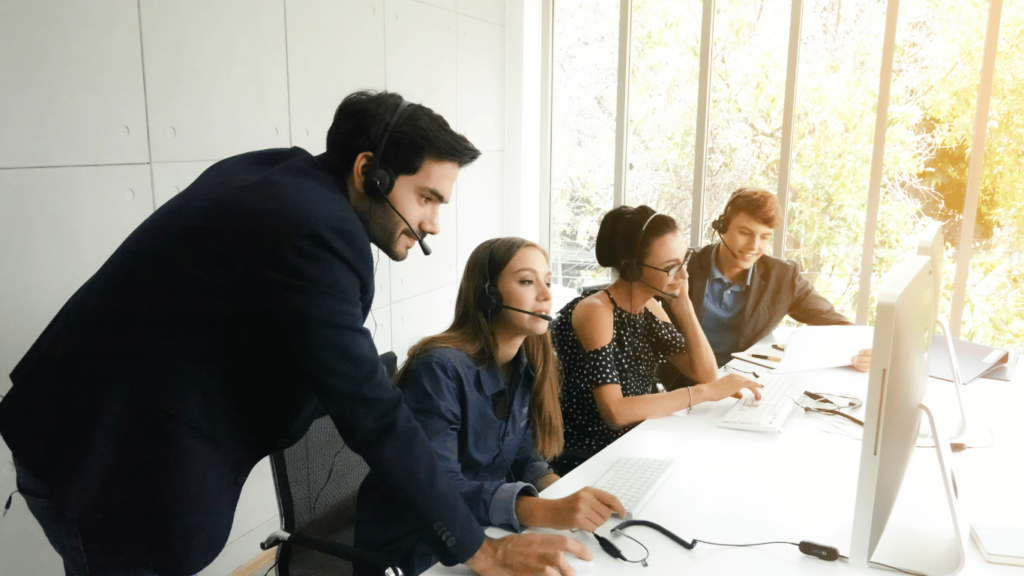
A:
{"x":317,"y":482}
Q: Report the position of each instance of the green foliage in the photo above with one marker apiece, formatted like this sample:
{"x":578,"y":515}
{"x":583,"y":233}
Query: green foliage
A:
{"x":930,"y":124}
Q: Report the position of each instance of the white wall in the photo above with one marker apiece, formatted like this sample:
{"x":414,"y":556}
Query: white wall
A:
{"x":107,"y":109}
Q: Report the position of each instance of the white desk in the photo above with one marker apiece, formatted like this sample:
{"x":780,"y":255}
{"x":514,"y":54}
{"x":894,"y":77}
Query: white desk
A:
{"x":734,"y":486}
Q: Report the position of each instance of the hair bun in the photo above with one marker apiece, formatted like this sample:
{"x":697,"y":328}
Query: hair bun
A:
{"x":609,"y":245}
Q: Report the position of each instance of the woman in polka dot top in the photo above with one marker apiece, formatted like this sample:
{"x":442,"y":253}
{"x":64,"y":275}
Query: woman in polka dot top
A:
{"x":610,"y":342}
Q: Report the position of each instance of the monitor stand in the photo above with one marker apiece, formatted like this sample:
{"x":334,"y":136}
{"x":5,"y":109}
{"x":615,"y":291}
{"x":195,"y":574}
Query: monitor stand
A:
{"x":957,"y":384}
{"x":921,"y":551}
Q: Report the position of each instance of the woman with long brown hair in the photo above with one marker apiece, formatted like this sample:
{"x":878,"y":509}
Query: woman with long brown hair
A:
{"x":486,"y":392}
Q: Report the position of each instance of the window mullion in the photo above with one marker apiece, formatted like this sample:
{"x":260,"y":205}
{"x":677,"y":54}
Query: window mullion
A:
{"x":700,"y":159}
{"x":622,"y":102}
{"x":786,"y":154}
{"x":877,"y":160}
{"x":963,"y":255}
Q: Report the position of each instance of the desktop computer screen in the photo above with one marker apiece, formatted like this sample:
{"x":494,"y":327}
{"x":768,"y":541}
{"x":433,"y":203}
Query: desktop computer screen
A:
{"x":904,"y":325}
{"x":932,"y":244}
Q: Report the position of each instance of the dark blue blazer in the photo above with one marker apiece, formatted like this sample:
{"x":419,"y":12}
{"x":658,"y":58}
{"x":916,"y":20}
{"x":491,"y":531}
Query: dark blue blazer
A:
{"x":212,"y":337}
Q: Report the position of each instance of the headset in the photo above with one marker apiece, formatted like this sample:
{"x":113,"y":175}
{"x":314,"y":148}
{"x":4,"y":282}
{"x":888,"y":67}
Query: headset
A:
{"x":491,"y":300}
{"x":718,"y":224}
{"x":379,"y":181}
{"x":632,"y":270}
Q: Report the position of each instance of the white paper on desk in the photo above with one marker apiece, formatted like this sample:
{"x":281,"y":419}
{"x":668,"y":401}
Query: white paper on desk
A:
{"x":817,"y":347}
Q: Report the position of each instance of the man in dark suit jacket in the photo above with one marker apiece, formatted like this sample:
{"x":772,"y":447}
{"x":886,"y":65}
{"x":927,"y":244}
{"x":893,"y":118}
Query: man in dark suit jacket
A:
{"x":741,"y":294}
{"x":215,"y":334}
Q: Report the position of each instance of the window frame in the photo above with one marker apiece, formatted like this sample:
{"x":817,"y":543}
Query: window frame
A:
{"x":964,"y":243}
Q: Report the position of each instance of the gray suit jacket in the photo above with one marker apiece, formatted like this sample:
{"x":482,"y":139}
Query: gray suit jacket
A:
{"x":777,"y":288}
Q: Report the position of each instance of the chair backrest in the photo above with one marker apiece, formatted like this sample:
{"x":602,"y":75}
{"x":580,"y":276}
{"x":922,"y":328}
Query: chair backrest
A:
{"x":317,"y":482}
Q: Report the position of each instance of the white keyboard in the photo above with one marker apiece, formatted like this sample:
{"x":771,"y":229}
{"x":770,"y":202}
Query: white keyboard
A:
{"x":633,"y":480}
{"x":778,"y":398}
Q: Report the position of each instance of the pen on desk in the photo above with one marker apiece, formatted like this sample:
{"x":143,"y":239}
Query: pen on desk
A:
{"x":764,"y":357}
{"x":779,"y":347}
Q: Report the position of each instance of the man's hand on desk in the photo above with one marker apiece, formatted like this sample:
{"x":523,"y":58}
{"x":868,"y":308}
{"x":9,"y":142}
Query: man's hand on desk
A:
{"x":527,"y":554}
{"x":862,"y":361}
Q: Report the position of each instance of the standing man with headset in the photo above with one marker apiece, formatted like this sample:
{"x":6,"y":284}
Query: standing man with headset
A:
{"x":215,"y":334}
{"x":740,"y":293}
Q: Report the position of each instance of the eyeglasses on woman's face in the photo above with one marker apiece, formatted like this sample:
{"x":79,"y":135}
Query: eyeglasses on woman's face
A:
{"x":673,"y":270}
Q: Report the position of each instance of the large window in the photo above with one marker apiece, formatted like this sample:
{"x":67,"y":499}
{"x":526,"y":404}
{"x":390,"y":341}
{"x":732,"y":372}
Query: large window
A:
{"x":584,"y":58}
{"x":934,"y":95}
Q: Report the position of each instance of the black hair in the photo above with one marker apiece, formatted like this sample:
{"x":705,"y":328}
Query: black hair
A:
{"x":620,"y":231}
{"x":359,"y":125}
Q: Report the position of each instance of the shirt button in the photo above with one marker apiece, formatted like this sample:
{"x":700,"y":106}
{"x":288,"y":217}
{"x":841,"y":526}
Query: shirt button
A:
{"x":445,"y":535}
{"x":451,"y":542}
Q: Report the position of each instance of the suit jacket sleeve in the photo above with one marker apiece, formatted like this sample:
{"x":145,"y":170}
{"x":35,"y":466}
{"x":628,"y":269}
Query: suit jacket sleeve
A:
{"x":310,"y":291}
{"x":807,"y":305}
{"x":432,"y":393}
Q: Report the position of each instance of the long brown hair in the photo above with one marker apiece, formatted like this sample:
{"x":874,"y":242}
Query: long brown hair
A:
{"x":471,"y":333}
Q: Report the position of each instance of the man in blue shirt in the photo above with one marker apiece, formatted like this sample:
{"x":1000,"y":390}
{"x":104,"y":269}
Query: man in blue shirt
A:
{"x":740,"y":293}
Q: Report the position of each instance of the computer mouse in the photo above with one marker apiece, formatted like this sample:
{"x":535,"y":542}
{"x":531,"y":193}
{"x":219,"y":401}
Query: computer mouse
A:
{"x":580,"y":565}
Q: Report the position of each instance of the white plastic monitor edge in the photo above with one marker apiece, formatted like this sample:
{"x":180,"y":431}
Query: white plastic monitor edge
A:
{"x":904,"y":327}
{"x":932,"y":244}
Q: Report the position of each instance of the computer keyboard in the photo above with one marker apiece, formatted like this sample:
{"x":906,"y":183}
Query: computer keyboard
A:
{"x":778,"y":398}
{"x":633,"y":480}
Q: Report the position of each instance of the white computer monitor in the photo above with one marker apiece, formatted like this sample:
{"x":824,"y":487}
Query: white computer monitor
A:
{"x":904,"y":326}
{"x":932,"y":244}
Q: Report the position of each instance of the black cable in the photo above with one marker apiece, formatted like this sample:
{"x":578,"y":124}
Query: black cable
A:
{"x":893,"y":568}
{"x":271,"y":568}
{"x":896,"y":569}
{"x":820,"y":551}
{"x":746,"y":545}
{"x":616,"y":553}
{"x":829,"y":411}
{"x":834,"y":413}
{"x":9,"y":500}
{"x":375,"y":262}
{"x":826,"y":398}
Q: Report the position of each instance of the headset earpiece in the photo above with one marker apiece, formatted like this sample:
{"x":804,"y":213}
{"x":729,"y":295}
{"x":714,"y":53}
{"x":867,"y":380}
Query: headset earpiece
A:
{"x":716,"y":224}
{"x":490,"y":300}
{"x":632,"y":270}
{"x":378,"y":182}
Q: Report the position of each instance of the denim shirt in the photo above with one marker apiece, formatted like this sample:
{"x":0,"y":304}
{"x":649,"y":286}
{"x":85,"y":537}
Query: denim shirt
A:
{"x":489,"y":460}
{"x":724,"y":303}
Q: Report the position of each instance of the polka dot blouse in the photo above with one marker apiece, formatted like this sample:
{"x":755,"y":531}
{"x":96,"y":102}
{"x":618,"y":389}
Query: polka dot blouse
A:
{"x":639,"y":344}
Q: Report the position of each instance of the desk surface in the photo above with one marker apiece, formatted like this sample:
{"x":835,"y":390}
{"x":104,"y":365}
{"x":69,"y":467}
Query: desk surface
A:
{"x":734,"y":486}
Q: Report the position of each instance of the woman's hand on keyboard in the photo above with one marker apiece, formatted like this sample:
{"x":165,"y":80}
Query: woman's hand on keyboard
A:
{"x":586,"y":509}
{"x":726,"y":386}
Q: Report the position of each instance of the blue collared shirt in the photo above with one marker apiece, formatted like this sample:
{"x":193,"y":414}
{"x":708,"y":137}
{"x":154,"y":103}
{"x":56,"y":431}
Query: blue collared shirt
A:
{"x":724,"y":303}
{"x":490,"y":460}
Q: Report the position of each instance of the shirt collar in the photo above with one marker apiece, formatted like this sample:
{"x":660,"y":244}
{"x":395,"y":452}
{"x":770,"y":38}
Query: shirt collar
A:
{"x":491,"y":375}
{"x":716,"y":274}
